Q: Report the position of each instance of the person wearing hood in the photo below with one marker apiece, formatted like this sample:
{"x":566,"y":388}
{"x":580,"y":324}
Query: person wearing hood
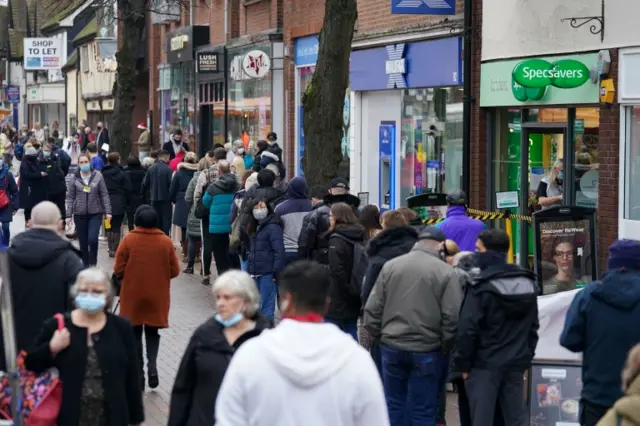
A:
{"x":175,"y":144}
{"x":41,"y":263}
{"x":33,"y":189}
{"x":303,"y":372}
{"x":458,"y":226}
{"x":55,"y":179}
{"x":413,"y":311}
{"x":219,"y":199}
{"x":626,"y":411}
{"x":12,"y":201}
{"x":262,"y":147}
{"x":270,"y":161}
{"x":312,"y":244}
{"x":120,"y":190}
{"x":272,"y":140}
{"x":177,"y":191}
{"x":292,"y":212}
{"x":211,"y":348}
{"x":497,"y":333}
{"x":602,"y":323}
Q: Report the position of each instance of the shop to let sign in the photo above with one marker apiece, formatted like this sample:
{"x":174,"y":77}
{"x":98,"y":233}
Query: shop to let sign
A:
{"x":43,"y":54}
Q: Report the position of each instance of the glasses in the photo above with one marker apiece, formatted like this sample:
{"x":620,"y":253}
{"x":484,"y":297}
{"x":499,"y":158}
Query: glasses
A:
{"x":564,"y":254}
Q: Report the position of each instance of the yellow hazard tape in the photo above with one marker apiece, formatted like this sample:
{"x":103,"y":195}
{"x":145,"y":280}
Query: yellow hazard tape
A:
{"x":484,"y":215}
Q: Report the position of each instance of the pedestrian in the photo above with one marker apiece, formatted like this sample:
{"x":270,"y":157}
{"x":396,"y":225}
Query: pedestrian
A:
{"x":247,"y":156}
{"x":344,"y":234}
{"x":177,"y":191}
{"x":264,"y":237}
{"x":33,"y":187}
{"x":551,"y":188}
{"x":312,"y":244}
{"x":136,"y":176}
{"x":264,"y":190}
{"x":97,"y":162}
{"x":90,"y":135}
{"x":207,"y":177}
{"x":237,"y":162}
{"x":144,"y":142}
{"x":601,"y":323}
{"x":87,"y":203}
{"x":9,"y":201}
{"x":250,"y":179}
{"x":458,"y":226}
{"x":42,"y":267}
{"x":269,"y":161}
{"x":120,"y":192}
{"x":73,"y":149}
{"x":38,"y":133}
{"x":219,"y":199}
{"x":304,"y":372}
{"x":95,"y":357}
{"x":625,"y":411}
{"x":497,"y":333}
{"x":146,"y":262}
{"x":369,"y":219}
{"x":157,"y":182}
{"x":262,"y":147}
{"x":292,"y":212}
{"x":7,"y":147}
{"x":174,"y":144}
{"x":102,"y":136}
{"x":413,"y":310}
{"x":274,"y":147}
{"x":194,"y":229}
{"x":211,"y":347}
{"x":55,"y":180}
{"x":62,"y":156}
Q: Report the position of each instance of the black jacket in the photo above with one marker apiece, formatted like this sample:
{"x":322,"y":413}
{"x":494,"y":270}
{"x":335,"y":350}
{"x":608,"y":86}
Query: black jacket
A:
{"x":158,"y":182}
{"x":115,"y":347}
{"x":43,"y":267}
{"x":345,"y":300}
{"x":387,"y":245}
{"x":275,"y":149}
{"x":178,"y":190}
{"x":33,"y":187}
{"x":63,"y":157}
{"x":312,"y":244}
{"x":498,"y":325}
{"x":168,"y":146}
{"x":256,"y":161}
{"x":136,"y":176}
{"x":119,"y":187}
{"x":201,"y":371}
{"x":55,"y":177}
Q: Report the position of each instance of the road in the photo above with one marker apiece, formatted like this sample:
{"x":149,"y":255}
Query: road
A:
{"x":191,"y":304}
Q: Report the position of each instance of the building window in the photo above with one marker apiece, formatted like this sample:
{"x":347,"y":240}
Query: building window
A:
{"x":84,"y":58}
{"x":631,"y":210}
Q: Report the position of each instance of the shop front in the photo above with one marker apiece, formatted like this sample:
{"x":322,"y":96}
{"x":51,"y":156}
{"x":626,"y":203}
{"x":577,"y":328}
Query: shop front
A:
{"x":210,"y":76}
{"x":543,"y":117}
{"x":305,"y":58}
{"x":408,"y":120}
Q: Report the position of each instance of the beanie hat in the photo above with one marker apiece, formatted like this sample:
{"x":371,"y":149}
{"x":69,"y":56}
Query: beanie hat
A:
{"x":624,"y":254}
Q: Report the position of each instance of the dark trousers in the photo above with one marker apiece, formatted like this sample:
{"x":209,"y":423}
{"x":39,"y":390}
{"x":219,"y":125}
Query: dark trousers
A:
{"x":485,"y":388}
{"x":60,"y":201}
{"x":88,"y":231}
{"x":590,"y":413}
{"x":163,"y":210}
{"x":130,"y":220}
{"x":152,"y":340}
{"x":194,"y":245}
{"x":27,"y":215}
{"x":6,"y":233}
{"x":463,"y":403}
{"x":220,"y":247}
{"x":116,"y":223}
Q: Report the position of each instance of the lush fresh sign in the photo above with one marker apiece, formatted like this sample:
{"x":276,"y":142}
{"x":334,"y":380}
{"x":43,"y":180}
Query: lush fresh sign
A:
{"x":549,"y":80}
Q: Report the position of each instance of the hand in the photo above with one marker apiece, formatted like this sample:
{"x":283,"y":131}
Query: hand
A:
{"x":60,"y":341}
{"x":108,"y":216}
{"x":465,"y":376}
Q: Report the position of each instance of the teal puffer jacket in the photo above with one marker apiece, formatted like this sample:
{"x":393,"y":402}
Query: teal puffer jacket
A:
{"x":219,"y":199}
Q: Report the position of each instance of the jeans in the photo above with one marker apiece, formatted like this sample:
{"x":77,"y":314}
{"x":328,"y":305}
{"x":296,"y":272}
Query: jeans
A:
{"x":163,"y":210}
{"x":267,"y":289}
{"x":244,"y":264}
{"x":411,"y":379}
{"x":485,"y":388}
{"x":88,"y":230}
{"x":6,"y":233}
{"x":290,"y":257}
{"x":442,"y":389}
{"x":348,"y":326}
{"x":220,"y":247}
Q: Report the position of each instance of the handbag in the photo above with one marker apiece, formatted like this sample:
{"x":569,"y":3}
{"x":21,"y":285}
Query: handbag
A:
{"x":41,"y":393}
{"x":202,"y":212}
{"x":4,"y":198}
{"x":116,"y":282}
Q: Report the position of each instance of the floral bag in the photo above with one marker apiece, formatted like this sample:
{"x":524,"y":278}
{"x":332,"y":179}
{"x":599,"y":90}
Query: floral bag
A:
{"x":41,"y":393}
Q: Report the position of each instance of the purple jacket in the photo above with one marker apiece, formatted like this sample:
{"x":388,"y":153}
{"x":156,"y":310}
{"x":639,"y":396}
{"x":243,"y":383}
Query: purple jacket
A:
{"x":461,"y":228}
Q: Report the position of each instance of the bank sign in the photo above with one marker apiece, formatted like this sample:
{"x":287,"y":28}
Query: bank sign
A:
{"x":553,"y":80}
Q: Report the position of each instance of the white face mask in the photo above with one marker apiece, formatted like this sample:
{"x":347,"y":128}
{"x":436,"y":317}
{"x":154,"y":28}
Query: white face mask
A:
{"x":260,"y":213}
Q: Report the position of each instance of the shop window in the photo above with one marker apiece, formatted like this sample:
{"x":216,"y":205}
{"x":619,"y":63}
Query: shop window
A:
{"x":632,"y":166}
{"x":430,"y":141}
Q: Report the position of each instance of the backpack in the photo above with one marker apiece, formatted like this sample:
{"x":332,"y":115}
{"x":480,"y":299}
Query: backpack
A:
{"x":18,"y":151}
{"x":360,"y":264}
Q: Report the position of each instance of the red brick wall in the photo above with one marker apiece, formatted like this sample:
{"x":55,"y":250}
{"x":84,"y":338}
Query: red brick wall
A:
{"x":477,"y":194}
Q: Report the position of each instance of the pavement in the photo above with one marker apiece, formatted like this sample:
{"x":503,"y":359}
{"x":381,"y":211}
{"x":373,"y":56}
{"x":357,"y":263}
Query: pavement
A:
{"x":191,"y":304}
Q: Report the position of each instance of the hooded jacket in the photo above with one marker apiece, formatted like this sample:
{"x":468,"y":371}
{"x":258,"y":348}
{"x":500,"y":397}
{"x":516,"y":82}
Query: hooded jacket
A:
{"x":329,"y":380}
{"x":461,"y":228}
{"x":45,"y":266}
{"x":177,"y":191}
{"x":292,"y":212}
{"x":610,"y":310}
{"x":627,"y":408}
{"x":218,"y":199}
{"x":194,"y":225}
{"x":498,"y":327}
{"x":33,"y":186}
{"x":266,"y":248}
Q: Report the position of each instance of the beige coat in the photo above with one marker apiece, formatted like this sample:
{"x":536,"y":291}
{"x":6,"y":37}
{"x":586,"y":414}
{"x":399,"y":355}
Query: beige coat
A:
{"x":143,"y":142}
{"x":627,"y":407}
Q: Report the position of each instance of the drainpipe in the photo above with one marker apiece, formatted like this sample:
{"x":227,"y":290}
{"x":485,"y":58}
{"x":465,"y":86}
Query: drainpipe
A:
{"x":466,"y":87}
{"x":226,"y":23}
{"x":191,"y":13}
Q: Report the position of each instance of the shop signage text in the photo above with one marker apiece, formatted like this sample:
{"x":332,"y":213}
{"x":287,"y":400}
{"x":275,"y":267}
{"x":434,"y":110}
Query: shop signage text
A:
{"x":13,"y":94}
{"x":423,"y":7}
{"x":306,"y":50}
{"x":256,"y":64}
{"x":207,"y":62}
{"x":396,"y":66}
{"x":532,"y":77}
{"x":179,"y":42}
{"x":43,"y":53}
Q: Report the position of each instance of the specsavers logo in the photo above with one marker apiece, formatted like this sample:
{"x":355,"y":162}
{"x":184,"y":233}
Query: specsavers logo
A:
{"x":532,"y":78}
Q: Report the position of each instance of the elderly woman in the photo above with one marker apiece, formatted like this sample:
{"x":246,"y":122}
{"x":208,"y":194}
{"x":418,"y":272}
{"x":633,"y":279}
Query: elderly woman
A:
{"x":95,"y":356}
{"x":211,"y":347}
{"x":146,"y":262}
{"x":177,"y":192}
{"x":194,"y":228}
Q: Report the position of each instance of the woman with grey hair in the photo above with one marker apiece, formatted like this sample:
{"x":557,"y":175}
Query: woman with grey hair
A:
{"x":96,"y":358}
{"x":211,"y":347}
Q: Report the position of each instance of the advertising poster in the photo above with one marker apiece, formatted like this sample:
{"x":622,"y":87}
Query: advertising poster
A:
{"x":554,"y":394}
{"x":387,"y":154}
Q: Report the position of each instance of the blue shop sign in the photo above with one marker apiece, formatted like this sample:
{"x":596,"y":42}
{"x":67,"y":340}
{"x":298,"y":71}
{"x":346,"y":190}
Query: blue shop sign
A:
{"x":13,"y":94}
{"x":423,"y":7}
{"x":306,"y":50}
{"x":430,"y":63}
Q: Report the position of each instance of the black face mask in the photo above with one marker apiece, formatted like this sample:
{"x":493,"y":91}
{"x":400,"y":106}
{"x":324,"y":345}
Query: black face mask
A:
{"x":490,"y":258}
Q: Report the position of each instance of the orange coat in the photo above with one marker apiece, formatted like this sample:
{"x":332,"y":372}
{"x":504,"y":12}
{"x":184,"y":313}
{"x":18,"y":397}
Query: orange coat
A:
{"x":147,"y":261}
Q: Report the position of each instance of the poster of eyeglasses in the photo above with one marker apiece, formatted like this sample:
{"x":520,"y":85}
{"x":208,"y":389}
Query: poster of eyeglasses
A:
{"x":565,"y":251}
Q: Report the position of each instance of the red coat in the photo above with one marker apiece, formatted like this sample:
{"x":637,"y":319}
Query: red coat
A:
{"x":174,"y":163}
{"x":147,"y":261}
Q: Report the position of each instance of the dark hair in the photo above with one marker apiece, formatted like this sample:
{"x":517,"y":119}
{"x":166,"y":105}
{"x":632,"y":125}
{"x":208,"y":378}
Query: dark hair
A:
{"x":133,"y":162}
{"x":318,"y":192}
{"x":210,"y":153}
{"x":92,"y":148}
{"x":146,"y":217}
{"x":266,"y":178}
{"x":216,"y":146}
{"x":343,"y":214}
{"x":113,"y":158}
{"x":177,"y":132}
{"x":220,"y":154}
{"x":154,"y":154}
{"x":495,"y":240}
{"x":308,"y":284}
{"x":394,"y":219}
{"x":163,"y":153}
{"x":272,"y":136}
{"x":245,"y":176}
{"x":370,"y":220}
{"x":262,"y":145}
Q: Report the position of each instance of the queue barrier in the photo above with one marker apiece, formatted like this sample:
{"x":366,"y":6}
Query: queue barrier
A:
{"x":484,"y":215}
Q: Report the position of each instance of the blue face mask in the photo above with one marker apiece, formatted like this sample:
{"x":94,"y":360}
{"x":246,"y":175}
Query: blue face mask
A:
{"x":91,"y":303}
{"x":560,"y":175}
{"x":46,"y":154}
{"x":229,"y":322}
{"x":85,"y":167}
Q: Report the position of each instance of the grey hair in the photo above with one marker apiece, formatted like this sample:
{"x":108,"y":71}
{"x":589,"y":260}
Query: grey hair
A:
{"x":241,"y":284}
{"x":457,"y":258}
{"x":148,"y":161}
{"x":93,"y":275}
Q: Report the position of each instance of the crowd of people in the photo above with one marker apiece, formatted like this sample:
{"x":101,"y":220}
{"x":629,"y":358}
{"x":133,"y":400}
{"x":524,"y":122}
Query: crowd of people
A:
{"x":376,"y":313}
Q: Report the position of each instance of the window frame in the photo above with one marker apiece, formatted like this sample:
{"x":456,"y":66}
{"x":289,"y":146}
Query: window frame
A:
{"x":627,"y":228}
{"x":84,"y":59}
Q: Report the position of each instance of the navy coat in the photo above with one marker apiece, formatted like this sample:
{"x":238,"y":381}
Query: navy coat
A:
{"x":266,"y":248}
{"x":33,"y":187}
{"x":178,"y":189}
{"x":10,"y":187}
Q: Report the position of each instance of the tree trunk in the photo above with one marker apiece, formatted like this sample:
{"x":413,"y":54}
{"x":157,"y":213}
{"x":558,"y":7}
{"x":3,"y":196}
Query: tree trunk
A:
{"x":323,"y":101}
{"x":133,"y":21}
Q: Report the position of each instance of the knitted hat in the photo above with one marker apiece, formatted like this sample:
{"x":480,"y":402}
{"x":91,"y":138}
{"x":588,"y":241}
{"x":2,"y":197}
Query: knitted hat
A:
{"x":624,"y":254}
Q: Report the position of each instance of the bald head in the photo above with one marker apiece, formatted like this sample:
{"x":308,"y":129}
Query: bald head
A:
{"x":224,"y":167}
{"x":46,"y":215}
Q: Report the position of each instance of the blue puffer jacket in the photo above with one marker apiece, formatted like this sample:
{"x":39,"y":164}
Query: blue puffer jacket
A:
{"x":461,"y":228}
{"x":219,"y":199}
{"x":266,"y":248}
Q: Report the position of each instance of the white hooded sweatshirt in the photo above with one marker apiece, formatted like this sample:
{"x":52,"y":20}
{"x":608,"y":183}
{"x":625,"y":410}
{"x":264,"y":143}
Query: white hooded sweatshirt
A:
{"x":301,"y":374}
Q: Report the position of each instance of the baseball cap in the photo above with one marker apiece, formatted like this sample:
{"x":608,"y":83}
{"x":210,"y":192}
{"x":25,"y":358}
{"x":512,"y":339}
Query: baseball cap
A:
{"x":432,"y":233}
{"x":340,"y":183}
{"x":456,"y":197}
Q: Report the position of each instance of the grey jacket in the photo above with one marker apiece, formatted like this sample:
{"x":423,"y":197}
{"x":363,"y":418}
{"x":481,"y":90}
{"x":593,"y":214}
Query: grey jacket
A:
{"x":194,"y":228}
{"x":415,"y":303}
{"x":93,"y":201}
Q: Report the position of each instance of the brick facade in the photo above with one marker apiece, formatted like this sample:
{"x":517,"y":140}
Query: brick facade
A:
{"x":478,"y":154}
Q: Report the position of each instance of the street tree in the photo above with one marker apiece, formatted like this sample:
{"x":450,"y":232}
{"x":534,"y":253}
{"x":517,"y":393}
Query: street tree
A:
{"x":323,"y":100}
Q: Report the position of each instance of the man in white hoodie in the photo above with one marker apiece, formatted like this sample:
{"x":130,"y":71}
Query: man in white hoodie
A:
{"x":303,"y":372}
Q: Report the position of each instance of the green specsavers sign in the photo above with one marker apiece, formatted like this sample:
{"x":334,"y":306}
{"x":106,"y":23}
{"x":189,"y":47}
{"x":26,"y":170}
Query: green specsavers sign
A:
{"x":553,"y":80}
